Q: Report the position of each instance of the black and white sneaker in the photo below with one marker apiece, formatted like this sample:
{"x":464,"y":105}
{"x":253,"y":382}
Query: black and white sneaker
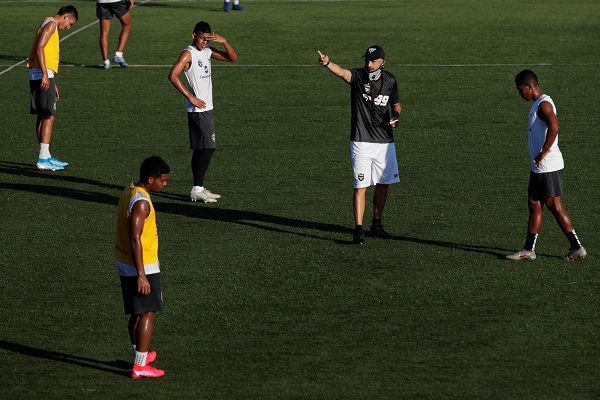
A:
{"x":377,"y":231}
{"x":358,"y":237}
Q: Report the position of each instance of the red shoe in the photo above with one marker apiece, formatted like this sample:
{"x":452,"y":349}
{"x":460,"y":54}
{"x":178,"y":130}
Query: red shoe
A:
{"x":150,"y":357}
{"x":146,"y":372}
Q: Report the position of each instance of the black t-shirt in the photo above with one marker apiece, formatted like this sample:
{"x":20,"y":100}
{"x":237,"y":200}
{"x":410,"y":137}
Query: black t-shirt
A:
{"x":371,"y":102}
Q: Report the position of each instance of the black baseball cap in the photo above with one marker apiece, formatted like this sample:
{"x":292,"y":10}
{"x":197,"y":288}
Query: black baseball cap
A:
{"x":374,"y":52}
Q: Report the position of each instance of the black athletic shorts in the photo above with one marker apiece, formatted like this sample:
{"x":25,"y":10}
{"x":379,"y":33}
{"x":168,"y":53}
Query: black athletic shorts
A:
{"x":545,"y":185}
{"x":42,"y":103}
{"x":107,"y":10}
{"x":136,"y":303}
{"x":201,"y":127}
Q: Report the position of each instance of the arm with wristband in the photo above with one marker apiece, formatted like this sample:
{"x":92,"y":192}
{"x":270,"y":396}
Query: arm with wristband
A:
{"x":343,"y":73}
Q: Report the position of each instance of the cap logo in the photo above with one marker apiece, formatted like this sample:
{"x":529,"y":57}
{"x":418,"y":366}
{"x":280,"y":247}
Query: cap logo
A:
{"x":372,"y":49}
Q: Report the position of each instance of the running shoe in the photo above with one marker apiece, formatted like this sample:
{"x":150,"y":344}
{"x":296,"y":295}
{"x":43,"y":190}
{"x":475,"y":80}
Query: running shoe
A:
{"x":522,"y":255}
{"x":151,"y":357}
{"x":577,"y":254}
{"x":358,"y":237}
{"x":146,"y":372}
{"x":58,"y":163}
{"x":120,"y":61}
{"x":46,"y":165}
{"x":377,"y":231}
{"x":237,"y":7}
{"x":226,"y":6}
{"x":211,"y":194}
{"x":201,"y":195}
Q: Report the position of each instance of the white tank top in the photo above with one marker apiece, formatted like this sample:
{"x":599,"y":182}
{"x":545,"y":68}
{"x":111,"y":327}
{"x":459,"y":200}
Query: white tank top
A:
{"x":199,"y":78}
{"x":537,"y":137}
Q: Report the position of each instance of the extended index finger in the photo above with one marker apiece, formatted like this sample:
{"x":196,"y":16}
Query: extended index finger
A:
{"x":320,"y":54}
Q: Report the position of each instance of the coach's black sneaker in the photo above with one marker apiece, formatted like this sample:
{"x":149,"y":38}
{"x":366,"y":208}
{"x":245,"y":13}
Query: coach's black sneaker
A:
{"x":358,"y":237}
{"x":377,"y":231}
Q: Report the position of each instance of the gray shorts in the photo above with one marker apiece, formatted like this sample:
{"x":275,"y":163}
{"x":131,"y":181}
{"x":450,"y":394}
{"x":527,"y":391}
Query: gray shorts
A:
{"x":107,"y":10}
{"x":545,"y":185}
{"x":201,"y":127}
{"x":42,"y":103}
{"x":136,"y":303}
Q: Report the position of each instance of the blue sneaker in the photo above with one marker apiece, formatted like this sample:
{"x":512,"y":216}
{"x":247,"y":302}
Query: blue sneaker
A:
{"x":58,"y":163}
{"x":237,"y":7}
{"x":226,"y":6}
{"x":46,"y":165}
{"x":120,"y":61}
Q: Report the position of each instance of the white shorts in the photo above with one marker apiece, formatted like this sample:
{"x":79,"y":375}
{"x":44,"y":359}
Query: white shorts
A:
{"x":374,"y":163}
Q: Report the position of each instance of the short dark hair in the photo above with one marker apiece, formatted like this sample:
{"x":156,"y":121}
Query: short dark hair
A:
{"x":202,"y":27}
{"x":153,"y":167}
{"x":69,"y":10}
{"x":526,"y":76}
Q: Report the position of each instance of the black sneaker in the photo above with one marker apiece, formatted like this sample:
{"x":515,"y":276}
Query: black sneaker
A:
{"x":358,"y":237}
{"x":377,"y":231}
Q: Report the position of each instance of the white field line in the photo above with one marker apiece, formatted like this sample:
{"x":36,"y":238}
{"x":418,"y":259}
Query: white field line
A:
{"x":11,"y":66}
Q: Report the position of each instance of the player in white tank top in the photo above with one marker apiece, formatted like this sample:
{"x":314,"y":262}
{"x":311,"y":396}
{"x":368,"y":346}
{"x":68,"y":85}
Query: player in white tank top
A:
{"x":199,"y":78}
{"x":538,"y":129}
{"x":195,"y":62}
{"x":545,"y":180}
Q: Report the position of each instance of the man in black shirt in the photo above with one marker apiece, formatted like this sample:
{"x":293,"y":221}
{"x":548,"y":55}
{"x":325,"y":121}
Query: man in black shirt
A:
{"x":375,"y":111}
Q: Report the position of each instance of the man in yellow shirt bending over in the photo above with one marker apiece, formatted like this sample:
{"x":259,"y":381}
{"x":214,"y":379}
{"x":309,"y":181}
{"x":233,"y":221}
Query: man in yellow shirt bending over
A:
{"x":43,"y":65}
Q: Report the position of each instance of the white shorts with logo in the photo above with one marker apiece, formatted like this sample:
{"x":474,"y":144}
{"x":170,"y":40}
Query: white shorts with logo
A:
{"x":374,"y":163}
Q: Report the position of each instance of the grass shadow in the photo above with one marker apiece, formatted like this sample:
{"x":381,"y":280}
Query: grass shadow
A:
{"x":179,"y":204}
{"x":117,"y":367}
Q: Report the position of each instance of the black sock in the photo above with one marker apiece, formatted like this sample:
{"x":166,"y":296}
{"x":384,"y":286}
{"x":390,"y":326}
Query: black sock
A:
{"x":358,"y":228}
{"x":376,"y":222}
{"x":530,"y":241}
{"x":573,"y":240}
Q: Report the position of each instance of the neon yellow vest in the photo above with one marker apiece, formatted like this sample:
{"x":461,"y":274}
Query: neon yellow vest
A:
{"x":51,"y":52}
{"x":149,"y":234}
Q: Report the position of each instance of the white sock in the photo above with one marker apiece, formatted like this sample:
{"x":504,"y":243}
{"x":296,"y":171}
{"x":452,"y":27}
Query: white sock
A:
{"x":106,"y":62}
{"x":197,"y":188}
{"x":44,"y":151}
{"x":236,"y":2}
{"x":227,"y":1}
{"x":140,"y":358}
{"x":119,"y":53}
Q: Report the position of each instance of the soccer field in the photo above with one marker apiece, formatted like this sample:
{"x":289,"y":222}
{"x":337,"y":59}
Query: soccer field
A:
{"x":265,"y":296}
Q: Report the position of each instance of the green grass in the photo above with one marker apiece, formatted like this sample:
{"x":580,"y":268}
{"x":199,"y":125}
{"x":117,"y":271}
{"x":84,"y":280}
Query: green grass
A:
{"x":265,"y":298}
